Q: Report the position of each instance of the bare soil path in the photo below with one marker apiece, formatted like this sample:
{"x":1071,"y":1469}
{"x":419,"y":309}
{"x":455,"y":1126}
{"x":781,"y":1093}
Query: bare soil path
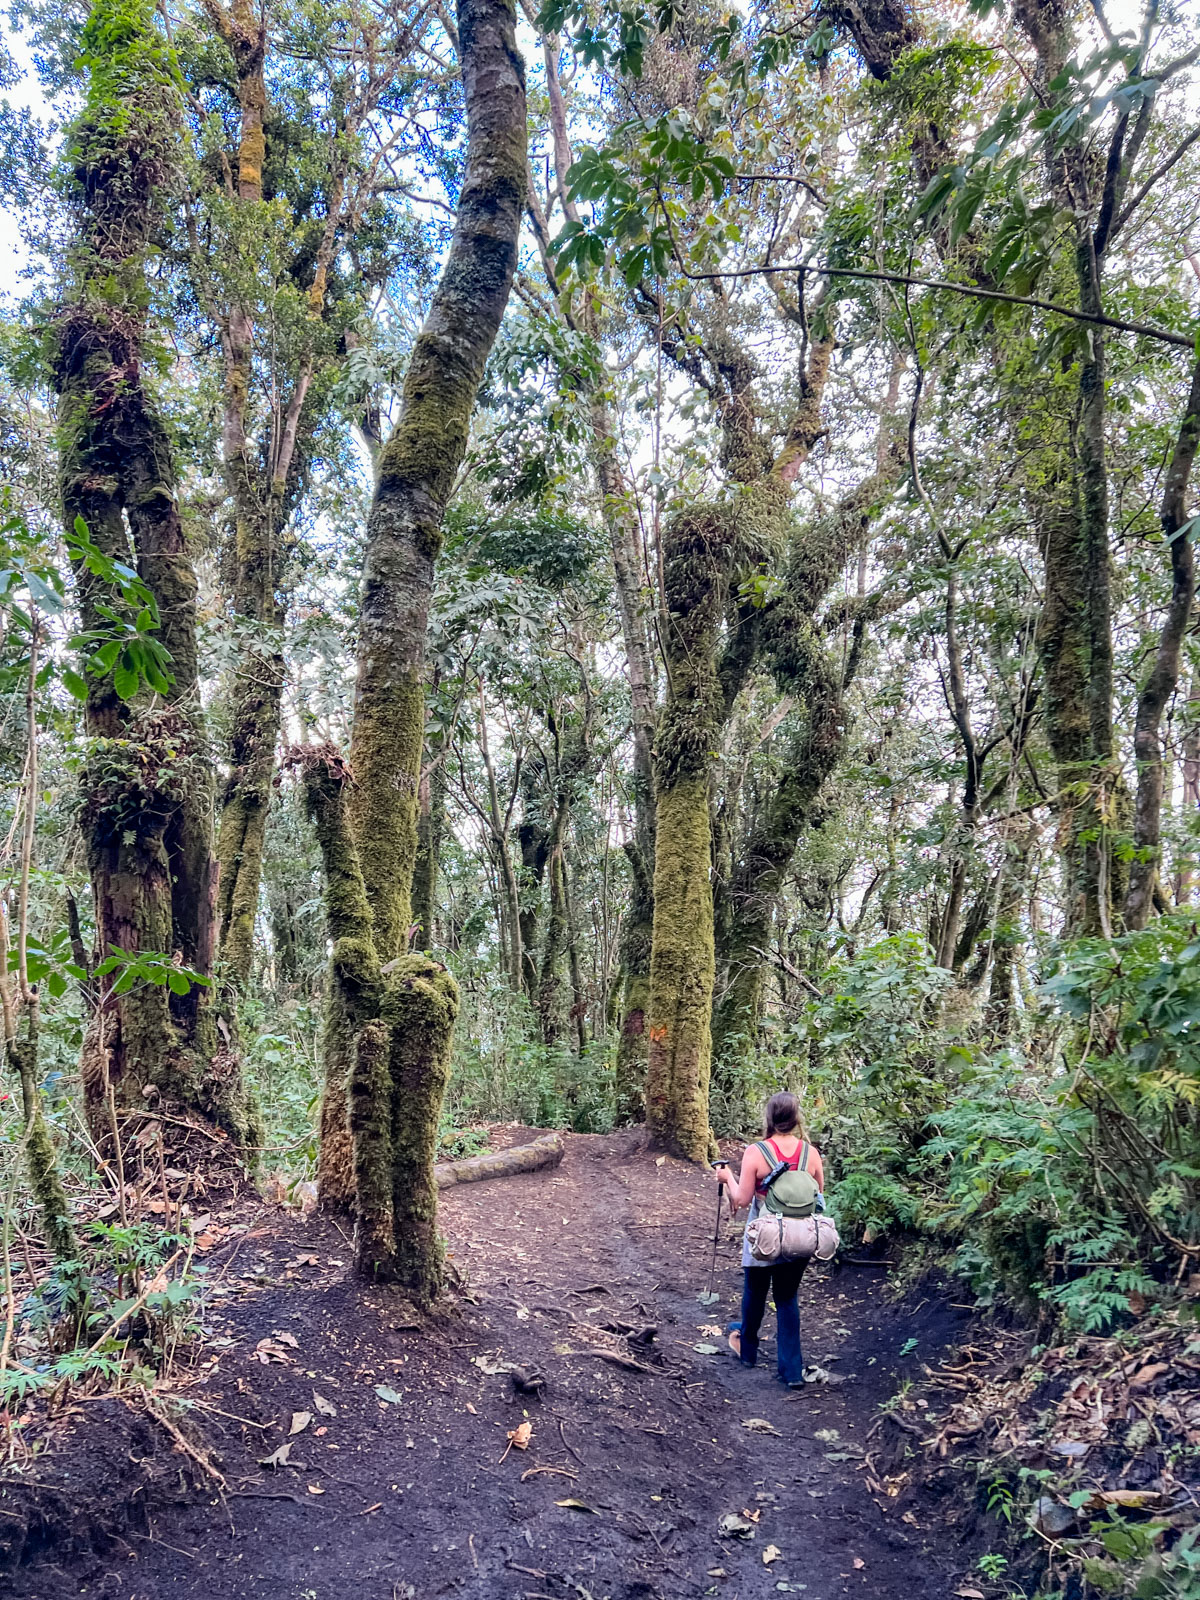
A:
{"x":399,"y":1487}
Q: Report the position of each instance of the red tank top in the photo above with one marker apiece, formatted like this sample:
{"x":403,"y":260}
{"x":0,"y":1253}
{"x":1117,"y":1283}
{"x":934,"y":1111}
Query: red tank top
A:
{"x":793,"y":1161}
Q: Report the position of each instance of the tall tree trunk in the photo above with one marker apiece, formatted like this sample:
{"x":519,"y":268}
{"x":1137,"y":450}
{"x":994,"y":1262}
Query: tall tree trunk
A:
{"x":395,"y":1104}
{"x":806,"y":672}
{"x":257,"y":691}
{"x":418,"y":465}
{"x":145,"y":787}
{"x":533,"y":837}
{"x":636,"y":947}
{"x":1075,"y":635}
{"x":625,"y":541}
{"x":1164,"y":674}
{"x":683,"y":962}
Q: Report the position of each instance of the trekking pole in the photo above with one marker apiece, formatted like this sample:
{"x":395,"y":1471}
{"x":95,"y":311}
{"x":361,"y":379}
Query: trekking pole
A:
{"x":710,"y":1296}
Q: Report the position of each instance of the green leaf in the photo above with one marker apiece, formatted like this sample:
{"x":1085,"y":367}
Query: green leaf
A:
{"x":125,"y":682}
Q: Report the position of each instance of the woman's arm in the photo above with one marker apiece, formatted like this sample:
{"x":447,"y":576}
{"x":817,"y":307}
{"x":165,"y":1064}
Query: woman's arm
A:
{"x":741,"y":1188}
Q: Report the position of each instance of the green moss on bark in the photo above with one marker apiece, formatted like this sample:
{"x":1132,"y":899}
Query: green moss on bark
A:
{"x":58,"y":1230}
{"x":420,"y":1009}
{"x":682,"y":972}
{"x":370,"y":1118}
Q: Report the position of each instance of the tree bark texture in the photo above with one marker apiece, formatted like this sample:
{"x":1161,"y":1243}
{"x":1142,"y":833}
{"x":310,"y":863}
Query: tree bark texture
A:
{"x":387,"y":1062}
{"x":146,"y":785}
{"x":258,"y":501}
{"x":397,"y":1084}
{"x":682,"y":963}
{"x":418,"y":465}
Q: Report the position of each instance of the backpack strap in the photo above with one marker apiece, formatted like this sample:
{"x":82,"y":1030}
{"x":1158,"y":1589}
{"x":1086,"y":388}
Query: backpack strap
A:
{"x":803,"y":1167}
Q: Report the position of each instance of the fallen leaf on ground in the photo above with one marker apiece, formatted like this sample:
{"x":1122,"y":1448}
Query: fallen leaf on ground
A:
{"x":711,"y":1330}
{"x":754,"y":1516}
{"x":1148,"y":1374}
{"x":731,"y":1526}
{"x":706,"y":1349}
{"x":660,"y":1161}
{"x":1131,"y":1499}
{"x":268,"y":1350}
{"x":315,"y":1488}
{"x":708,"y":1297}
{"x":575,"y":1505}
{"x":325,"y":1407}
{"x":300,"y":1421}
{"x":858,"y":1563}
{"x":970,"y":1594}
{"x":288,"y":1339}
{"x":472,"y":1409}
{"x":760,"y":1425}
{"x":519,"y":1436}
{"x":770,"y":1554}
{"x":827,"y":1435}
{"x":716,"y":1572}
{"x":388,"y":1396}
{"x":277,"y":1458}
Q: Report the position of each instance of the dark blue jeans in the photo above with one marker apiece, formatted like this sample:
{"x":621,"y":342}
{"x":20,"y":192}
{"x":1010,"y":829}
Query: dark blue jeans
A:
{"x":785,"y":1281}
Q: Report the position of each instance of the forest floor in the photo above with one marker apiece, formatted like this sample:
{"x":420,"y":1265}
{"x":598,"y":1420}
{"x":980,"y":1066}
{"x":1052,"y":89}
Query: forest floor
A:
{"x":395,"y":1481}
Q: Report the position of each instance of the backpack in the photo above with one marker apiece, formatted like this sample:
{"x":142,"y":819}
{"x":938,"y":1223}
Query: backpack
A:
{"x":794,"y":1192}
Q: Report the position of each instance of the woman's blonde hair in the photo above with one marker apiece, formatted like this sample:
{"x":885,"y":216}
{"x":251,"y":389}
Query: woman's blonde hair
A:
{"x":783,"y":1115}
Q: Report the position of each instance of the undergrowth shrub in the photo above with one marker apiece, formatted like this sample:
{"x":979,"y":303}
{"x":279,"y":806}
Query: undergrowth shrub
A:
{"x":1061,"y":1168}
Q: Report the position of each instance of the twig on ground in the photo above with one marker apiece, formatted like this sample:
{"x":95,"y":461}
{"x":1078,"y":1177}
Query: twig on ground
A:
{"x":569,"y":1447}
{"x":189,"y":1450}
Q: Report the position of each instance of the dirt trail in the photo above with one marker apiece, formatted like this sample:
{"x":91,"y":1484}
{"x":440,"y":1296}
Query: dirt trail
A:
{"x":403,"y":1492}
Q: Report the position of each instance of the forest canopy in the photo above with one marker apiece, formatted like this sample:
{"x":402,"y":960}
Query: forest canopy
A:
{"x":579,"y":566}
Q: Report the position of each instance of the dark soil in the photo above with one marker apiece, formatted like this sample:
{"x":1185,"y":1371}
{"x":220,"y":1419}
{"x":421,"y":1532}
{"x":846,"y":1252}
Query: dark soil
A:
{"x":410,"y":1493}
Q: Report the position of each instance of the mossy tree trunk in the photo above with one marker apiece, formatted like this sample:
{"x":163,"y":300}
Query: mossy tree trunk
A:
{"x":806,"y":671}
{"x":268,"y":439}
{"x":1164,"y":673}
{"x":146,"y":786}
{"x":711,"y":645}
{"x":418,"y":464}
{"x":1076,"y":638}
{"x":682,"y":962}
{"x":387,"y":1062}
{"x":257,"y":501}
{"x":620,"y":518}
{"x":20,"y":1014}
{"x":533,"y":840}
{"x":393,"y":1114}
{"x":571,"y":754}
{"x":636,"y":947}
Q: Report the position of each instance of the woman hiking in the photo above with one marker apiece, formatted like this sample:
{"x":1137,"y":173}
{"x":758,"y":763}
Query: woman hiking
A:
{"x":785,"y":1142}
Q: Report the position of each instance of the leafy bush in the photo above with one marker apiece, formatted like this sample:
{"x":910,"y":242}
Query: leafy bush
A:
{"x":1065,"y":1172}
